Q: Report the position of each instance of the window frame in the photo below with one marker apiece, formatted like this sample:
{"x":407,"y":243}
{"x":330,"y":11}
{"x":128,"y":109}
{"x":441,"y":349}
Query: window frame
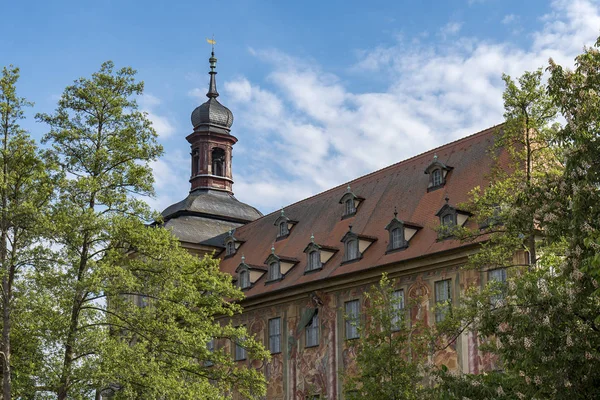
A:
{"x":244,"y":283}
{"x":274,"y":337}
{"x":314,"y":260}
{"x":347,"y":248}
{"x":312,"y":326}
{"x":275,"y":271}
{"x":398,"y":307}
{"x":283,"y":229}
{"x":442,"y":310}
{"x":351,"y":319}
{"x":240,"y":353}
{"x":494,"y":299}
{"x":230,"y":248}
{"x":437,"y":178}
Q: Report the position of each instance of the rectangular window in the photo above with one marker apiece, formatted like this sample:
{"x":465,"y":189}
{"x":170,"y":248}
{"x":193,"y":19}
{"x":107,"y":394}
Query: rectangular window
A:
{"x":352,"y":309}
{"x":274,"y":271}
{"x":443,"y":298}
{"x":497,"y":275}
{"x":314,"y":260}
{"x":240,"y":350}
{"x":275,"y":335}
{"x":351,"y":250}
{"x":210,"y":346}
{"x":396,"y":238}
{"x":398,"y":308}
{"x":312,"y":331}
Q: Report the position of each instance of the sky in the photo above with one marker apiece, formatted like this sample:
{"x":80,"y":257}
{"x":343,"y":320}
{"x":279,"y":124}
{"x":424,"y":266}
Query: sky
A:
{"x":321,"y":91}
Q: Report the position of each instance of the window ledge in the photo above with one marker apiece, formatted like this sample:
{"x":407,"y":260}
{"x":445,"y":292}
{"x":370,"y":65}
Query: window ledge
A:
{"x":349,"y":215}
{"x":351,"y":261}
{"x":312,"y":346}
{"x":229,"y":256}
{"x":433,"y":188}
{"x":273,"y":281}
{"x":397,"y":249}
{"x":282,"y":237}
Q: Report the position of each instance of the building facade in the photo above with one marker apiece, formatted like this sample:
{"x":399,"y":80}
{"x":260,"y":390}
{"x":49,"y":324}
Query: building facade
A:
{"x":305,"y":267}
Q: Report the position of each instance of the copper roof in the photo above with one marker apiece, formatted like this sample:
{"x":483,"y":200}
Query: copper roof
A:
{"x":402,"y":185}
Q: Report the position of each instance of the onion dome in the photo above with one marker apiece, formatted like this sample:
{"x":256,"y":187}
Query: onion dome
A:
{"x":212,"y":112}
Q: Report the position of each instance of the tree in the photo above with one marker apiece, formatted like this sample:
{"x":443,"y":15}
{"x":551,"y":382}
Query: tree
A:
{"x":134,"y":311}
{"x":544,"y":322}
{"x":25,"y":192}
{"x":390,"y":354}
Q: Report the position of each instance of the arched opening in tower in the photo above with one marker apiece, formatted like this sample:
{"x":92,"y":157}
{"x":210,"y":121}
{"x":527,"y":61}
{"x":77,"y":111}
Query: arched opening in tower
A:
{"x":218,"y":162}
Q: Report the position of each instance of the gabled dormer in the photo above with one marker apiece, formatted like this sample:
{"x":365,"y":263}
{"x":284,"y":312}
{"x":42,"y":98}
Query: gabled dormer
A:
{"x":350,"y":203}
{"x":450,"y":217}
{"x":284,"y":225}
{"x":231,"y":243}
{"x":437,"y":172}
{"x":317,"y":255}
{"x":278,"y":266}
{"x":248,"y":274}
{"x":400,"y":233}
{"x":355,"y":245}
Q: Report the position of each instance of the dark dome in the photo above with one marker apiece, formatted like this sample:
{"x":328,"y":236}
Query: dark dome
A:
{"x":212,"y":112}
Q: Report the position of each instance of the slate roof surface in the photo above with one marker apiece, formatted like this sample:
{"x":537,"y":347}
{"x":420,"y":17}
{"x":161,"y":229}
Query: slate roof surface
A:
{"x":200,"y":230}
{"x":402,"y":185}
{"x":214,"y":203}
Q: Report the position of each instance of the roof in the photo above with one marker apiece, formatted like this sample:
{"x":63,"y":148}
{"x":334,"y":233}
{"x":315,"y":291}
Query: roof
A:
{"x":200,"y":230}
{"x":214,"y":204}
{"x":402,"y":185}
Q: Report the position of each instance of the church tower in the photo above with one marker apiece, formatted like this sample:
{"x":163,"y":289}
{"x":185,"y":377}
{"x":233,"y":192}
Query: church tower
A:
{"x":211,"y":141}
{"x":205,"y":217}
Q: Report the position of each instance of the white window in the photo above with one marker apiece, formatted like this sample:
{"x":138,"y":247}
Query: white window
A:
{"x":275,"y":335}
{"x":443,"y":299}
{"x":352,"y":309}
{"x":398,"y":308}
{"x":396,"y":238}
{"x":244,"y":279}
{"x":352,"y":249}
{"x":436,"y":177}
{"x":274,"y":271}
{"x":314,"y":260}
{"x":312,"y":331}
{"x":499,"y":276}
{"x":350,"y":207}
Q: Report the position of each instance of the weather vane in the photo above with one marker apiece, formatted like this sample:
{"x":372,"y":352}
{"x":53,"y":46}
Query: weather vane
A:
{"x":212,"y":42}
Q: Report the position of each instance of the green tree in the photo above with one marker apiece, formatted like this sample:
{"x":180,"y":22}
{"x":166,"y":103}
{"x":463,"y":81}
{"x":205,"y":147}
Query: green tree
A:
{"x":544,"y":322}
{"x":133,"y":311}
{"x":390,"y":353}
{"x":25,"y":192}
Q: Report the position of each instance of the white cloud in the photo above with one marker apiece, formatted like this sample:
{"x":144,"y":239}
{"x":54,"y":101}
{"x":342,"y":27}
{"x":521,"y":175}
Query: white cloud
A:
{"x":509,"y":19}
{"x":450,"y":29}
{"x":304,"y":130}
{"x":162,"y":124}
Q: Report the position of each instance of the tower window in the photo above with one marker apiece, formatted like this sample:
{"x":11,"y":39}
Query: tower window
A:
{"x":195,"y":162}
{"x":274,"y":271}
{"x":218,"y":162}
{"x":314,"y":260}
{"x":244,"y":279}
{"x":351,"y":250}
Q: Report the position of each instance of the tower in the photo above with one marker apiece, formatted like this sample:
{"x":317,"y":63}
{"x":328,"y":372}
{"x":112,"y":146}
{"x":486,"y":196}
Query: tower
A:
{"x":211,"y":141}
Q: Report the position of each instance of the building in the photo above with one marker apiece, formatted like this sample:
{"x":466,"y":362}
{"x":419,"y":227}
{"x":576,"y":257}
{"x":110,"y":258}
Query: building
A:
{"x":303,"y":267}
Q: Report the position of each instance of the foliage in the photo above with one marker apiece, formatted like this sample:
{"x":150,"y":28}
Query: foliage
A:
{"x":390,"y":353}
{"x":545,"y":325}
{"x":25,"y":192}
{"x":129,"y":313}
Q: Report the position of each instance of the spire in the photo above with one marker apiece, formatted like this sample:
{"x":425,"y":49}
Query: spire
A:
{"x":212,"y":89}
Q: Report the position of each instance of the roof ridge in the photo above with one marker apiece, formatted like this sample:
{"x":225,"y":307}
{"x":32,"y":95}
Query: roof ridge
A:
{"x":454,"y":142}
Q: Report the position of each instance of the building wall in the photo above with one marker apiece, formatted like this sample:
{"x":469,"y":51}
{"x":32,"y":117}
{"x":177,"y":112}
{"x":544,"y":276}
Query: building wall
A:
{"x":298,"y":372}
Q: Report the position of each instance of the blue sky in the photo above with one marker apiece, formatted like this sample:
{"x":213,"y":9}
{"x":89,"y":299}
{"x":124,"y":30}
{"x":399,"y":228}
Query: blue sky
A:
{"x":322,"y":91}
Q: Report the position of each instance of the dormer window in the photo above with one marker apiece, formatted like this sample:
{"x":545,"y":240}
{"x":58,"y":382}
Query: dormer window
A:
{"x":284,"y":225}
{"x":317,"y":255}
{"x":274,"y":271}
{"x":244,"y":279}
{"x":437,"y":172}
{"x":278,"y":266}
{"x":450,"y":217}
{"x":400,"y":233}
{"x":231,"y":244}
{"x":350,"y":202}
{"x":355,"y":245}
{"x":351,"y":248}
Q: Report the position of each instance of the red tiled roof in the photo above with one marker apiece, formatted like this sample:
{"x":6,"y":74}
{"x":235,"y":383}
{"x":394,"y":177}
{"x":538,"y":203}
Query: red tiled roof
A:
{"x":402,"y":185}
